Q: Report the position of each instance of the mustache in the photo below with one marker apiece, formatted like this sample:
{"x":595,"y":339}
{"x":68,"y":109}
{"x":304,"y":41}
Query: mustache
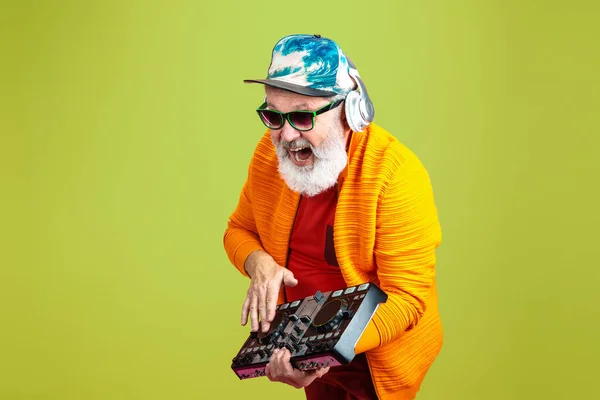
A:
{"x":300,"y":142}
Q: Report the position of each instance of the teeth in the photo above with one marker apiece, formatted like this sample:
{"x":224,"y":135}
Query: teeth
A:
{"x":296,"y":155}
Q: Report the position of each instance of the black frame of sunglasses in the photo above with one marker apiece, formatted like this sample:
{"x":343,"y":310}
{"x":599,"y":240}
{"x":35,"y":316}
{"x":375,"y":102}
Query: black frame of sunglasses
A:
{"x":286,"y":116}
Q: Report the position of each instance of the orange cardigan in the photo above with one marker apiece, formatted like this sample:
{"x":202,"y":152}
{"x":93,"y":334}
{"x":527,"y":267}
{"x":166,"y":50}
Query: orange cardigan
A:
{"x":386,"y":231}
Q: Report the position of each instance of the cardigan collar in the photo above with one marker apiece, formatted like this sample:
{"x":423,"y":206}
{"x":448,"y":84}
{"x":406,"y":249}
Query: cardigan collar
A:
{"x":355,"y":138}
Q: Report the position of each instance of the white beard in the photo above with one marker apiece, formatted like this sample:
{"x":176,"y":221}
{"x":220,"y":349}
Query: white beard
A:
{"x":329,"y":160}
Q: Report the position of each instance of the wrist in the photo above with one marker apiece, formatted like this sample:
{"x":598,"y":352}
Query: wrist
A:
{"x":251,"y":262}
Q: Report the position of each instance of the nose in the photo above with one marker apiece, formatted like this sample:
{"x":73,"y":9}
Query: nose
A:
{"x":288,"y":133}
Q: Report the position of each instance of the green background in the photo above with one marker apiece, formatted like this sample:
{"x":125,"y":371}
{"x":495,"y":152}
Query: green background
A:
{"x":125,"y":133}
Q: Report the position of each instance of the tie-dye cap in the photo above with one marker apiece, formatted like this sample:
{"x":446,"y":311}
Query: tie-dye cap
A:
{"x":310,"y":65}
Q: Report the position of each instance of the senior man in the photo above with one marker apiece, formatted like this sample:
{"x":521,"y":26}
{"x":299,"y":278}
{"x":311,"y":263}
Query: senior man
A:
{"x":333,"y":200}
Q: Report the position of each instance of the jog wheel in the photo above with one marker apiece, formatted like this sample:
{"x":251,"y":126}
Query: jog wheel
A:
{"x":275,"y":329}
{"x":330,"y":315}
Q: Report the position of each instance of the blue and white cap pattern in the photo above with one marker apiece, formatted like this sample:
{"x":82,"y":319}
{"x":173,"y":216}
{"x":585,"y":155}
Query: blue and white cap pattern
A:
{"x":309,"y":65}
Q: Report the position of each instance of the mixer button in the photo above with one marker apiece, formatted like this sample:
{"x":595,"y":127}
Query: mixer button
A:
{"x":295,"y":303}
{"x":328,"y":335}
{"x":337,"y":293}
{"x":293,"y":318}
{"x":284,"y":306}
{"x":318,"y":296}
{"x":363,"y":287}
{"x":306,"y":319}
{"x":320,"y":337}
{"x":350,"y":290}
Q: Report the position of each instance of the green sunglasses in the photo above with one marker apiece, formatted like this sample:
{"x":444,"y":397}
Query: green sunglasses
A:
{"x":299,"y":120}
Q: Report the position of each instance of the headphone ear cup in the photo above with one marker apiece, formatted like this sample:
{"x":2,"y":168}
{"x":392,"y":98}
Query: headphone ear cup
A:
{"x":359,"y":107}
{"x":353,"y":114}
{"x":366,"y":109}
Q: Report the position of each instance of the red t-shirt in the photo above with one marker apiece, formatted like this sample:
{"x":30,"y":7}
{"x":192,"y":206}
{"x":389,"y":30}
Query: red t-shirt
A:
{"x":313,"y":261}
{"x":312,"y":256}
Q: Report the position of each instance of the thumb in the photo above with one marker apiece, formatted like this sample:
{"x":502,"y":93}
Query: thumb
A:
{"x":288,"y":278}
{"x":321,"y":371}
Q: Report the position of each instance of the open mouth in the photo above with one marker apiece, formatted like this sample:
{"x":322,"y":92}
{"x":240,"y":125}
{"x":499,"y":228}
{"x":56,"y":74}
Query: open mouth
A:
{"x":301,"y":155}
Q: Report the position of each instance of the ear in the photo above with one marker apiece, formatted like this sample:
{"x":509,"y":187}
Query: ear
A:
{"x":343,"y":119}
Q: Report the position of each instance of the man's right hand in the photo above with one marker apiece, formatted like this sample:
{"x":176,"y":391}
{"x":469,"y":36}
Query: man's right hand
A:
{"x":266,"y":280}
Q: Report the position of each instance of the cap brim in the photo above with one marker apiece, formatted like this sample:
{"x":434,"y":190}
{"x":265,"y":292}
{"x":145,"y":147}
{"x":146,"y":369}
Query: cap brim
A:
{"x":292,"y":87}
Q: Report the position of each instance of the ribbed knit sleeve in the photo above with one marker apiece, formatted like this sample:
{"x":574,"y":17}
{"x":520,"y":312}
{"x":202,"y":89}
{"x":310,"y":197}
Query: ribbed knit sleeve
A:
{"x":241,"y":237}
{"x":407,"y":234}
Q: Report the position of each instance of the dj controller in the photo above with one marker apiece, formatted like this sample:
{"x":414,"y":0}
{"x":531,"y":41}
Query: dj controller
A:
{"x":319,"y":331}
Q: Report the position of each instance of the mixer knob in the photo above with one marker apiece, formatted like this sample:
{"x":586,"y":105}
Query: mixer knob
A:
{"x":292,"y":347}
{"x":310,"y":346}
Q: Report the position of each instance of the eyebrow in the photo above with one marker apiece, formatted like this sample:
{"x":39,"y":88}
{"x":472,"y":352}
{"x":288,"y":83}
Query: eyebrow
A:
{"x":301,"y":106}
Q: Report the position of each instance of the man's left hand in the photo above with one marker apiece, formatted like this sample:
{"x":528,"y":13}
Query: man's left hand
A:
{"x":279,"y":369}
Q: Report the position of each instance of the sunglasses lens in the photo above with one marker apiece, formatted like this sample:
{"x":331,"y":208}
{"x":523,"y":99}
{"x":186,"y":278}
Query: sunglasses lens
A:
{"x":302,"y":120}
{"x":271,"y":119}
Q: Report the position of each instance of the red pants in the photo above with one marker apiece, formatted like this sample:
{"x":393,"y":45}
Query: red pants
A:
{"x":345,"y":382}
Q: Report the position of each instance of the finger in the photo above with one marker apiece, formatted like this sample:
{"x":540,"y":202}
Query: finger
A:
{"x":276,"y":357}
{"x":262,"y":309}
{"x":268,"y":372}
{"x":288,"y":278}
{"x":305,"y":378}
{"x":253,"y":312}
{"x":272,"y":295}
{"x":288,"y":369}
{"x":322,"y":371}
{"x":300,"y":379}
{"x":274,"y":364}
{"x":245,"y":309}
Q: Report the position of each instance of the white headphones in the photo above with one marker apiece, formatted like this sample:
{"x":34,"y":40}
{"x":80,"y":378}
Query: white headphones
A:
{"x":359,"y":107}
